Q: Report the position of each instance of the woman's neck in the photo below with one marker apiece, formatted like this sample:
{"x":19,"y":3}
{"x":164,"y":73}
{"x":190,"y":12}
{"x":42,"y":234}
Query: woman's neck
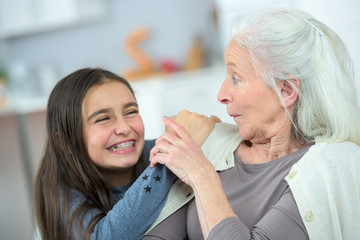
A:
{"x":268,"y":150}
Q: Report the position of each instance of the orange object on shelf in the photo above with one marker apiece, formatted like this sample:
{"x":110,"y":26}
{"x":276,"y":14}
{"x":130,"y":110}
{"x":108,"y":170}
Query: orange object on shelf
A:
{"x":145,"y":65}
{"x":195,"y":57}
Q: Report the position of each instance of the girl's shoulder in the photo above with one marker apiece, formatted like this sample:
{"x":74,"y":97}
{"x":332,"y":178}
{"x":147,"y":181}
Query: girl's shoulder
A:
{"x":149,"y":144}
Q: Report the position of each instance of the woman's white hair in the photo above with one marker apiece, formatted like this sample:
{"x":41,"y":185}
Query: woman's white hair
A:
{"x":288,"y":43}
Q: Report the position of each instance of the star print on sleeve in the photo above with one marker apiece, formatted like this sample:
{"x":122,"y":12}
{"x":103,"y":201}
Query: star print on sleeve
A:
{"x":157,"y":178}
{"x":147,"y":189}
{"x":145,"y":177}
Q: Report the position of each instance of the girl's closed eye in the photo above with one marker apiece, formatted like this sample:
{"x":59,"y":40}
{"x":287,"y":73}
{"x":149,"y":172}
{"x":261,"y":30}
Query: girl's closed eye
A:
{"x":131,"y":112}
{"x":101,"y":119}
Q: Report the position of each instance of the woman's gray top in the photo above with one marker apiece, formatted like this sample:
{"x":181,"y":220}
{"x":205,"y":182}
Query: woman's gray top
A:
{"x":259,"y":196}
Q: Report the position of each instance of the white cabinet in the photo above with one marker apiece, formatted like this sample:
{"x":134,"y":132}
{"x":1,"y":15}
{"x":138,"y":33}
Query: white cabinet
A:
{"x":21,"y":17}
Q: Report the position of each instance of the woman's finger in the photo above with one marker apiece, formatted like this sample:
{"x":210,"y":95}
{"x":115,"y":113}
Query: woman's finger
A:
{"x":153,"y":155}
{"x":157,"y":158}
{"x":162,"y":146}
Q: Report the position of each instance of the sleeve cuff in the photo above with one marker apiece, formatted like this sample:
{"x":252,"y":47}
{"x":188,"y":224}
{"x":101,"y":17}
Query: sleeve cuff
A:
{"x":229,"y":228}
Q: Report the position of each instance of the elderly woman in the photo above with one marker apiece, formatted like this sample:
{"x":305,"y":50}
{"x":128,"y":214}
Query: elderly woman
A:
{"x":290,"y":168}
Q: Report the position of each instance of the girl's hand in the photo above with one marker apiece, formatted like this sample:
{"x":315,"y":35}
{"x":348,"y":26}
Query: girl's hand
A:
{"x":197,"y":125}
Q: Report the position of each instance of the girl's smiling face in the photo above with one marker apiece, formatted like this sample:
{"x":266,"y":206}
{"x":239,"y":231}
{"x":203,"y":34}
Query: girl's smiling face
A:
{"x":112,"y":126}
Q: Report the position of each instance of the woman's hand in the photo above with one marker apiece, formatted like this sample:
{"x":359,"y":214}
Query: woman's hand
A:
{"x":197,"y":125}
{"x":180,"y":153}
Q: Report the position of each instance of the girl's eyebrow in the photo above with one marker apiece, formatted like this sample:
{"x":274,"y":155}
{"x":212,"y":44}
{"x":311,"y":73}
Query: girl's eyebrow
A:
{"x":107,"y":110}
{"x":100,"y":111}
{"x":131,"y":104}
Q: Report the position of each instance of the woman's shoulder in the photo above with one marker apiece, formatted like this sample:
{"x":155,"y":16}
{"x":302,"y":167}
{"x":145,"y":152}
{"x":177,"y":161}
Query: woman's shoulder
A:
{"x":219,"y":146}
{"x":335,"y":156}
{"x":225,"y":133}
{"x":340,"y":150}
{"x":332,"y":165}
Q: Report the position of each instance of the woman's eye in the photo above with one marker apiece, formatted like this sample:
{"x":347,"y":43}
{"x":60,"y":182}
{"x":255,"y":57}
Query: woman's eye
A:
{"x":235,"y":80}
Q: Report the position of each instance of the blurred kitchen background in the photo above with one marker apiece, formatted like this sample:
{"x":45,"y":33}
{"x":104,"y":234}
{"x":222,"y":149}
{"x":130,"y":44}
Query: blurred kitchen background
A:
{"x":178,"y":64}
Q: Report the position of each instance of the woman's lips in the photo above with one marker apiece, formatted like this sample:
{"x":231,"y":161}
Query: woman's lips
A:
{"x":234,"y":116}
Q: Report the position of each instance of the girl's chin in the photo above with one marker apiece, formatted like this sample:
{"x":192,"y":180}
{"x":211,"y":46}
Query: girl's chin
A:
{"x":117,"y":169}
{"x":120,"y":165}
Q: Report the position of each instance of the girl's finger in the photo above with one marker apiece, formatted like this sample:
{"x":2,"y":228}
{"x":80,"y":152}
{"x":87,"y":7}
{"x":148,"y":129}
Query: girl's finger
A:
{"x":178,"y":130}
{"x":215,"y":119}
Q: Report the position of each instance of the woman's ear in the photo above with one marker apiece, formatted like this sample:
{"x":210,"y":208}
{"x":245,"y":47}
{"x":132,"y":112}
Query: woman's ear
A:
{"x":289,"y":90}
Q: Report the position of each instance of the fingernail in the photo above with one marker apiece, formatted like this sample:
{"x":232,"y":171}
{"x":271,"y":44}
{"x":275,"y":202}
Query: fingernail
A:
{"x":164,"y":119}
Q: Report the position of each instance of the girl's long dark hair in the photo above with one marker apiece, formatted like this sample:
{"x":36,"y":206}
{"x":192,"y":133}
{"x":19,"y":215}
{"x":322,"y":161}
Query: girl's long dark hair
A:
{"x":65,"y":164}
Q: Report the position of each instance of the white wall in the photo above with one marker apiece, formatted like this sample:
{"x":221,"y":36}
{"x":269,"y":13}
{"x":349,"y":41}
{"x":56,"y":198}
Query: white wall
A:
{"x":344,"y":18}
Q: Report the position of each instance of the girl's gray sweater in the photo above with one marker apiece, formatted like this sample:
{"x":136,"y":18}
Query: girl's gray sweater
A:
{"x":137,"y":205}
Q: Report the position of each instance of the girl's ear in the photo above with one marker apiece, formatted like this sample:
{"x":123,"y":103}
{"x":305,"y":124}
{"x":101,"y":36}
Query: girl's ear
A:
{"x":289,"y":90}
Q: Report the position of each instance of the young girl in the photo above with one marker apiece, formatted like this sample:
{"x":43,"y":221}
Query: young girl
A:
{"x":91,"y":182}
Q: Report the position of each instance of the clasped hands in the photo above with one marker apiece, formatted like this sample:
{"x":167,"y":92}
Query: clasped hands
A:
{"x":179,"y":147}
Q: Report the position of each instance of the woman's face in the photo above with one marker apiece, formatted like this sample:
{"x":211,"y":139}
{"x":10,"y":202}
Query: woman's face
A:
{"x":112,"y":126}
{"x":253,"y":105}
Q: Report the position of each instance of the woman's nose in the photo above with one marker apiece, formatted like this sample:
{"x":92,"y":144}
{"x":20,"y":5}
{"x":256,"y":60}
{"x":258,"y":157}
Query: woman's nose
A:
{"x":223,"y":95}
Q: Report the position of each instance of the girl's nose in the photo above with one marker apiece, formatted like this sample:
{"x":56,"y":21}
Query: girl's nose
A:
{"x":122,"y":127}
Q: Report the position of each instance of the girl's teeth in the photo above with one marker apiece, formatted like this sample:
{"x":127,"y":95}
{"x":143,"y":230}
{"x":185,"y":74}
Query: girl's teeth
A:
{"x":121,"y":146}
